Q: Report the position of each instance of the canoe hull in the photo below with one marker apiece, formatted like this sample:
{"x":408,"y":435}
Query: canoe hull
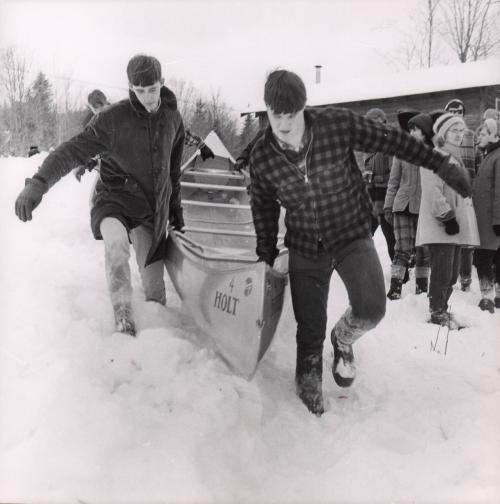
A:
{"x":235,"y":301}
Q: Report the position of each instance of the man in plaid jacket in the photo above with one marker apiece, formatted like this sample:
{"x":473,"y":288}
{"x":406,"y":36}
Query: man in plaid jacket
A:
{"x":305,"y":162}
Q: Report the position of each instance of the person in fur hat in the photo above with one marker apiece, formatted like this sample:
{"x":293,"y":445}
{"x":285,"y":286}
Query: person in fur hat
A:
{"x":401,"y":206}
{"x":446,"y":223}
{"x":141,"y":141}
{"x":486,"y":198}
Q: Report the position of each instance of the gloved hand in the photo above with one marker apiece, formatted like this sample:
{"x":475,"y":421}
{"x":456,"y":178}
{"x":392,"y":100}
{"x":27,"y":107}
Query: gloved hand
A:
{"x":456,"y":176}
{"x":388,"y":216}
{"x":496,"y":229}
{"x":79,"y":171}
{"x":177,"y":219}
{"x":367,"y":176}
{"x":240,"y":165}
{"x":29,"y":198}
{"x":206,"y":152}
{"x":268,"y":261}
{"x":451,"y":226}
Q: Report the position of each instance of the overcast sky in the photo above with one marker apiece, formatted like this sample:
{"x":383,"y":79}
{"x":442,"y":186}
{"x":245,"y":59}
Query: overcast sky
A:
{"x":225,"y":46}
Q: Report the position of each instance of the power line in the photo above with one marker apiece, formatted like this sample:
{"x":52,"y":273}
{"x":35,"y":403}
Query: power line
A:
{"x":108,"y":86}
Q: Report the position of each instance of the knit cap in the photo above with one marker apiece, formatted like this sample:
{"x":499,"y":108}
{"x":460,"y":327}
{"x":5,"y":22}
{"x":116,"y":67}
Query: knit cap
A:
{"x":444,"y":122}
{"x":97,"y":99}
{"x":376,"y":114}
{"x":422,"y":121}
{"x":455,"y":104}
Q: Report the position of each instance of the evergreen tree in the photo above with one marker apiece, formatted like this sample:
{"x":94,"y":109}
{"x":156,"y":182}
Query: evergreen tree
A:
{"x":250,"y":128}
{"x":200,"y":119}
{"x":41,"y":124}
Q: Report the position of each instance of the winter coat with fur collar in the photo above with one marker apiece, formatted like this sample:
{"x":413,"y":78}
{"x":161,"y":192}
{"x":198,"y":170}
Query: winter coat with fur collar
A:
{"x":140,"y":168}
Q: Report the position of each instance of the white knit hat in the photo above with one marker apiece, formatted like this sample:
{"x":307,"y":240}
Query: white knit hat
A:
{"x":444,"y":122}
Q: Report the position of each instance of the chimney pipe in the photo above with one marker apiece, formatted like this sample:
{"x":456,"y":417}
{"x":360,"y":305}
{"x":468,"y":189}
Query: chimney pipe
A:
{"x":318,"y":73}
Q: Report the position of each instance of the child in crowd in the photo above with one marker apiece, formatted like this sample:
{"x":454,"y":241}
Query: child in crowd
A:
{"x":446,"y":222}
{"x":470,"y":158}
{"x":401,"y":207}
{"x":486,"y":198}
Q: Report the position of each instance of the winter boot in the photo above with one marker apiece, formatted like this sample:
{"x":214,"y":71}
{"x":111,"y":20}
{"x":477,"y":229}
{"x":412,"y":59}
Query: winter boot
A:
{"x":465,"y":282}
{"x":446,"y":319}
{"x":406,"y":278}
{"x":440,"y":317}
{"x":488,"y":292}
{"x":487,"y":305}
{"x":421,"y":285}
{"x":123,"y":319}
{"x":343,"y":368}
{"x":395,"y":289}
{"x":308,"y":381}
{"x":497,"y":295}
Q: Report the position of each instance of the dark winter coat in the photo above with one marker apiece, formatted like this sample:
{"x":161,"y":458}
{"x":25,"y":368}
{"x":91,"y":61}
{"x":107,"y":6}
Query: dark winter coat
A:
{"x":329,"y":202}
{"x":380,"y":167}
{"x":486,"y":197}
{"x":140,"y":167}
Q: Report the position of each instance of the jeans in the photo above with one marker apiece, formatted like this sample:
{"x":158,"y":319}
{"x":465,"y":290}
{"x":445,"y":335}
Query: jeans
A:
{"x":117,"y":255}
{"x":388,"y":232}
{"x":359,"y":268}
{"x":445,"y":263}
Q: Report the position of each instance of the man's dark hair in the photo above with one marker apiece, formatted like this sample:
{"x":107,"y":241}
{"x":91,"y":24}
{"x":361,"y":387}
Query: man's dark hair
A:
{"x":284,"y":92}
{"x":143,"y":70}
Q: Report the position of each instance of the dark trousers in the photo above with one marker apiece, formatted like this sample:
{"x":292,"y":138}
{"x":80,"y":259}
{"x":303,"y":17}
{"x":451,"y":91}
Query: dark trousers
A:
{"x":466,"y":265}
{"x":445,"y":263}
{"x":487,"y":263}
{"x":387,"y":231}
{"x":359,"y":268}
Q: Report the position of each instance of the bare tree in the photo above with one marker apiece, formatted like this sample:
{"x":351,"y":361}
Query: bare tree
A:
{"x":13,"y":70}
{"x":430,"y":23}
{"x":185,"y":93}
{"x":13,"y":75}
{"x":420,"y":47}
{"x":222,"y":121}
{"x":470,"y":28}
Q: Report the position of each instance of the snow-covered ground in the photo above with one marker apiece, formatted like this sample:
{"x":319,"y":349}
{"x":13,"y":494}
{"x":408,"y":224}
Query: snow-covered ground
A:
{"x":91,"y":416}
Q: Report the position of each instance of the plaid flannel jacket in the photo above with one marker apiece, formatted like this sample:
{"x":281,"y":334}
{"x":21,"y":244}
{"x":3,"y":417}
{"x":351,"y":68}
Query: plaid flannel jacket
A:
{"x":329,"y":203}
{"x":470,"y":156}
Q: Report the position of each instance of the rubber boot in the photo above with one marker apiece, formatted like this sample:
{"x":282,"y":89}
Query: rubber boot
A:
{"x":421,"y":285}
{"x":487,"y":305}
{"x":343,"y":368}
{"x":395,"y":289}
{"x":487,"y":288}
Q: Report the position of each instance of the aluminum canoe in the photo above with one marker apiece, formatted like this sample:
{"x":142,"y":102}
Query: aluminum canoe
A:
{"x":233,"y":299}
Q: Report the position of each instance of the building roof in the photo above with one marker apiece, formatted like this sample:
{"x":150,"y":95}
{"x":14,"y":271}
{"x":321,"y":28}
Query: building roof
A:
{"x":389,"y":85}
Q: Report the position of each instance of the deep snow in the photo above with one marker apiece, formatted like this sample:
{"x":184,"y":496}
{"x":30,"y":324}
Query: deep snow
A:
{"x":91,"y":416}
